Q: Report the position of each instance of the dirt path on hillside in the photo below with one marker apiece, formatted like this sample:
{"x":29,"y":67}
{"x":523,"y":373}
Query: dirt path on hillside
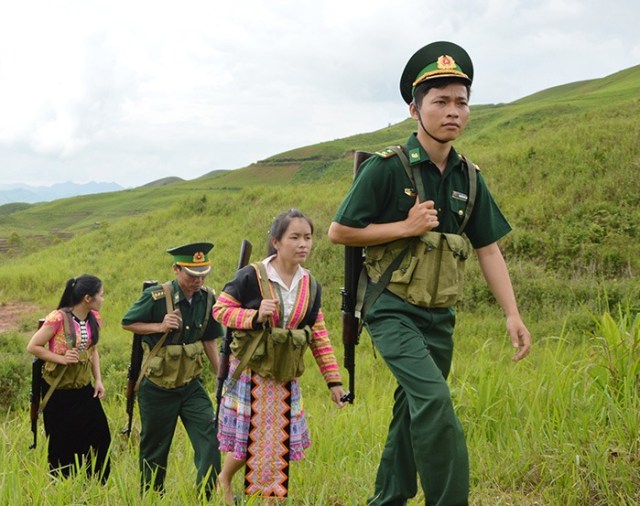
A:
{"x":13,"y":315}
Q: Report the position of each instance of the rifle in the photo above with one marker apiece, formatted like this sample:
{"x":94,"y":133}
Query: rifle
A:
{"x":225,"y":350}
{"x":36,"y":391}
{"x":351,"y":325}
{"x":135,"y":363}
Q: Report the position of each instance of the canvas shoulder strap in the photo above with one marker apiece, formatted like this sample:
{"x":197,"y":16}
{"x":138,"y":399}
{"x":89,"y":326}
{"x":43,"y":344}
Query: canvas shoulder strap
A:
{"x":416,"y":178}
{"x":207,"y":313}
{"x":168,"y":294}
{"x":314,"y":288}
{"x":167,"y":288}
{"x":363,"y":304}
{"x":256,"y":336}
{"x":263,"y":282}
{"x":472,"y":172}
{"x":69,"y":330}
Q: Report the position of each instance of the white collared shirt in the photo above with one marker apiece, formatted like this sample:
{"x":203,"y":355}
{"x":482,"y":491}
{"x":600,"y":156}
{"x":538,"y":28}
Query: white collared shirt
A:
{"x":288,"y":294}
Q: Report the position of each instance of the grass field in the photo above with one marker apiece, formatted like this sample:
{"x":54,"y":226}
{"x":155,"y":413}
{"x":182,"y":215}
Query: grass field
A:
{"x":559,"y":428}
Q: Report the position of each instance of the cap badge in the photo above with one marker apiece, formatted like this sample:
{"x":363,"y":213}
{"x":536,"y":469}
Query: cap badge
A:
{"x":198,"y":257}
{"x":445,"y":62}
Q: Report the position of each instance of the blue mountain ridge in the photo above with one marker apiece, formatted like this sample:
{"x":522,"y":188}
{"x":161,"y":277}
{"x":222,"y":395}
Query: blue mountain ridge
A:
{"x":31,"y":194}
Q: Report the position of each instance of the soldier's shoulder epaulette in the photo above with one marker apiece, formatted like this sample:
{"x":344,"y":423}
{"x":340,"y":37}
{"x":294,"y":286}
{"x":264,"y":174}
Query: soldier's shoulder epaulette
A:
{"x":158,"y":294}
{"x":386,"y":153}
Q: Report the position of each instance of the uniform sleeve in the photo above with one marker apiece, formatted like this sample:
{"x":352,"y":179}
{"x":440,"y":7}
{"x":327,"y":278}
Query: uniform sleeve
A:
{"x":141,"y":310}
{"x":486,"y":224}
{"x":371,"y":192}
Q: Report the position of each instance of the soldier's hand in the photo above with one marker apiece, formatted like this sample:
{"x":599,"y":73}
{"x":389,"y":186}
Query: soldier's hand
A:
{"x":172,"y":321}
{"x":268,"y":307}
{"x":422,"y":218}
{"x":520,"y":337}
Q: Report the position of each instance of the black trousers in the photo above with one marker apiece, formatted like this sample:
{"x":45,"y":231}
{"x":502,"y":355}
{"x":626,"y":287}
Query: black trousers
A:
{"x":78,"y":431}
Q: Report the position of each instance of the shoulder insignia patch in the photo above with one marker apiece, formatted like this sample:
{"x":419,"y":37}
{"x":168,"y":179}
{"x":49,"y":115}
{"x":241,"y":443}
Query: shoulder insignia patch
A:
{"x":157,"y":294}
{"x":386,"y":153}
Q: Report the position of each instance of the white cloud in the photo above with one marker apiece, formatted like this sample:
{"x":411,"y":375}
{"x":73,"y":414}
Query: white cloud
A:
{"x":138,"y":90}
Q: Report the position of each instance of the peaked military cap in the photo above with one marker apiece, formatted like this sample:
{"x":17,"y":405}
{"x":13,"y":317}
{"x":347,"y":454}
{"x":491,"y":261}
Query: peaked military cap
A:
{"x":193,"y":257}
{"x":434,"y":61}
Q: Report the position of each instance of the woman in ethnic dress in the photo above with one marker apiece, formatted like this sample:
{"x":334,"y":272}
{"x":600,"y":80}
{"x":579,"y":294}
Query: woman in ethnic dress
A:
{"x":73,"y":416}
{"x":262,"y":423}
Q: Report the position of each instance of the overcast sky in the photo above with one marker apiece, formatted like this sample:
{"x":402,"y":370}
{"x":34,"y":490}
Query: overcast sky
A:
{"x":132,"y":91}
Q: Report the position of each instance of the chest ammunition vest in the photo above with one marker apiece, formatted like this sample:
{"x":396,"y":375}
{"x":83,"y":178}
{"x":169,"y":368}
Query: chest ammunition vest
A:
{"x":72,"y":375}
{"x":175,"y":365}
{"x":274,"y":352}
{"x":426,"y":271}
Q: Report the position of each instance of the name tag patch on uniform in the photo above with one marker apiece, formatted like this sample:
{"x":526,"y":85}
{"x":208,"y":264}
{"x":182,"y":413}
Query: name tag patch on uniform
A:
{"x":459,"y":196}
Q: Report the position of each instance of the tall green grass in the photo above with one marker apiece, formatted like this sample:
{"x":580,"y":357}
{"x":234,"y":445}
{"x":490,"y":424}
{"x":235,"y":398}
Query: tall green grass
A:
{"x":560,"y":428}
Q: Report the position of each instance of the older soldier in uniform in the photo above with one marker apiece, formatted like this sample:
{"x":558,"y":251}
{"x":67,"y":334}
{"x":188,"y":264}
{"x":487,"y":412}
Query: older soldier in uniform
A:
{"x":412,"y":321}
{"x":177,"y":328}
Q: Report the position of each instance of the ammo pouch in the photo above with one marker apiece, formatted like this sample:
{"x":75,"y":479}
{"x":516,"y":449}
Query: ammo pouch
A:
{"x":271,"y":352}
{"x":175,"y":365}
{"x":73,"y":375}
{"x":431,"y":273}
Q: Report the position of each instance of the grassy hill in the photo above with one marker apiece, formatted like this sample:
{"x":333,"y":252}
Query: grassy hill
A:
{"x":562,"y":163}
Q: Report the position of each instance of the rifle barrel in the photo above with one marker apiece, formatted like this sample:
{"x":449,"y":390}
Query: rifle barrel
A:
{"x":35,"y":393}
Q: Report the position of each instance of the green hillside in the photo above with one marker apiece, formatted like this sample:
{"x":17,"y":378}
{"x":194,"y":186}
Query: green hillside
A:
{"x":560,"y":427}
{"x":560,"y":162}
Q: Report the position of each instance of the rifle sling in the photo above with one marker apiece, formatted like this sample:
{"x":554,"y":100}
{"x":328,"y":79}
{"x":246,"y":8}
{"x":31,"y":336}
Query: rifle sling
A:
{"x":52,"y":388}
{"x":168,"y":296}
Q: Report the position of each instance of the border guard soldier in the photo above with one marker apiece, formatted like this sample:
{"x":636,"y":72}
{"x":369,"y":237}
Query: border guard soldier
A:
{"x":408,"y":207}
{"x":178,"y":332}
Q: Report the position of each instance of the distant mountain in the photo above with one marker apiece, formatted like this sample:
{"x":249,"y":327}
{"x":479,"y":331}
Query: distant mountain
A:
{"x":31,"y":194}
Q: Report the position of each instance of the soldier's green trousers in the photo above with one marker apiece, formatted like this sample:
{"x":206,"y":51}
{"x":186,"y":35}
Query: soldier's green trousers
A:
{"x":425,"y":436}
{"x":160,"y":409}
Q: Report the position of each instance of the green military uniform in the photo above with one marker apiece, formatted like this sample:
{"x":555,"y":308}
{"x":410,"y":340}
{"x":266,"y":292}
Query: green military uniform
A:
{"x":165,"y":395}
{"x":425,"y":436}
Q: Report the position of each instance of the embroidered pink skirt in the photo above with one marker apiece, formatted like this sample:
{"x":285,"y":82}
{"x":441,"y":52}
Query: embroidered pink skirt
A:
{"x":235,"y":414}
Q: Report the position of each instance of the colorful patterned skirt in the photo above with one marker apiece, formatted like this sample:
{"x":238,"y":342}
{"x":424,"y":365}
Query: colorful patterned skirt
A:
{"x":263,"y":421}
